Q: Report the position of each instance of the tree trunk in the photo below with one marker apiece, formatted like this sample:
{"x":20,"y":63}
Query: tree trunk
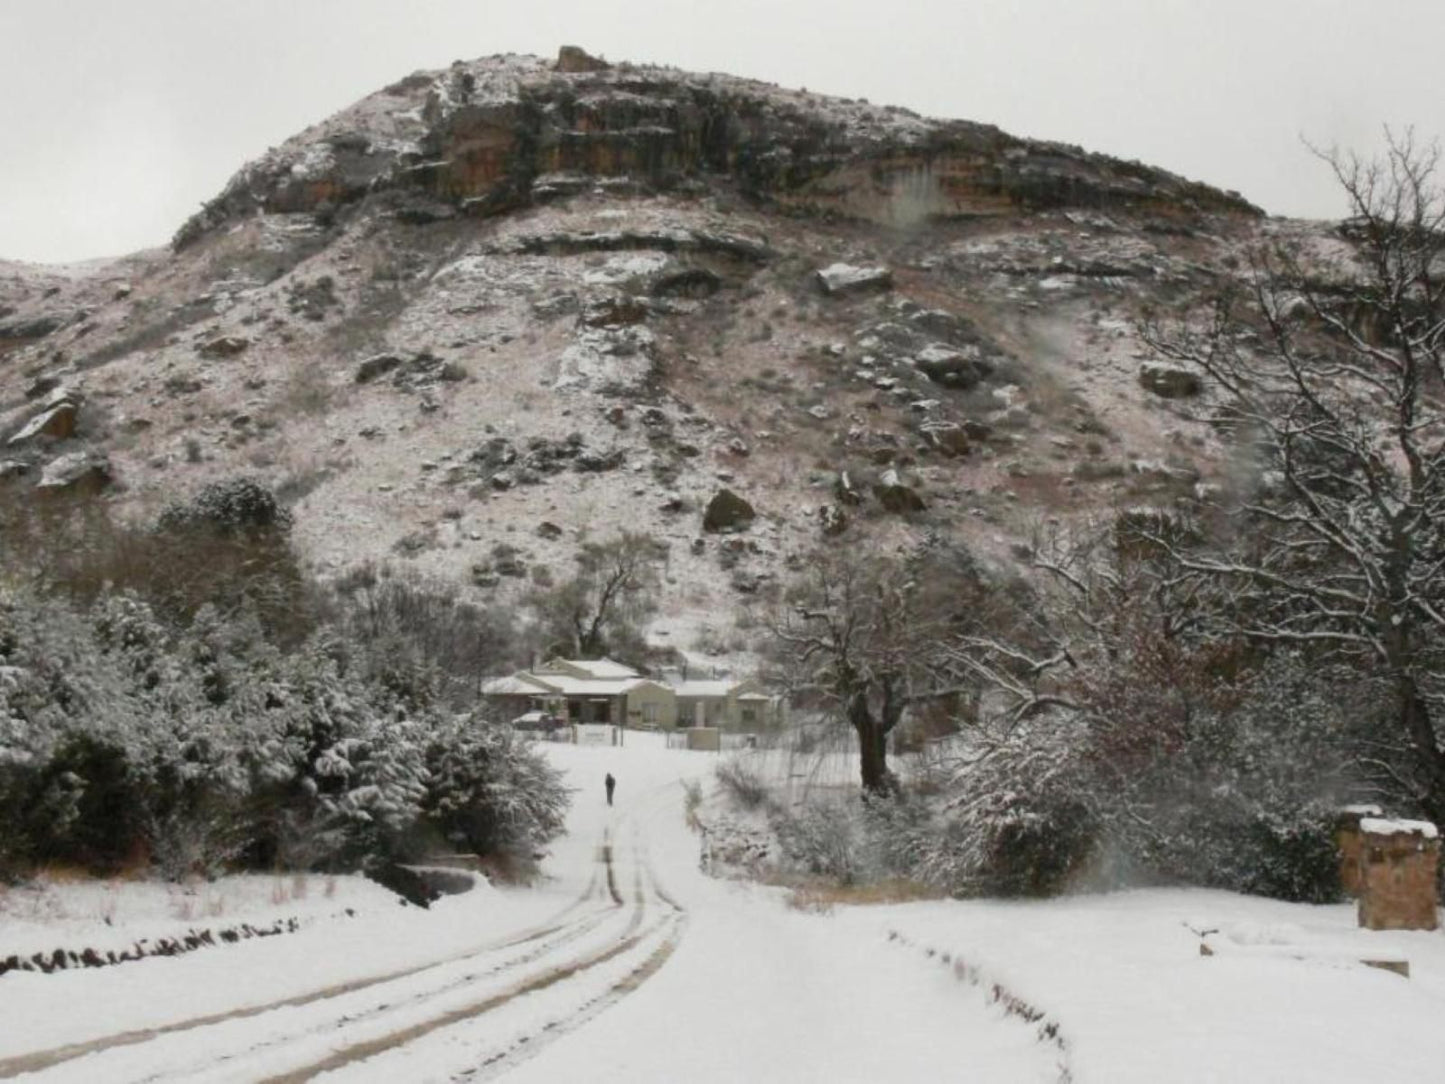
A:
{"x":873,"y":747}
{"x":878,"y":781}
{"x":1420,"y":730}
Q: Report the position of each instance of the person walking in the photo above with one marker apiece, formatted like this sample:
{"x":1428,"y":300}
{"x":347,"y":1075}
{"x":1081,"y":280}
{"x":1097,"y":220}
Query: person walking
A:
{"x":611,"y":786}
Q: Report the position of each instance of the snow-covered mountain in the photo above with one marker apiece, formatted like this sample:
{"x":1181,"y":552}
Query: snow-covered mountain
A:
{"x":489,"y":309}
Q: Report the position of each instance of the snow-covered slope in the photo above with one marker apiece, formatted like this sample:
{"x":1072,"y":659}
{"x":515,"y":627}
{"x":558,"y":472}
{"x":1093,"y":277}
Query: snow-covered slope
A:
{"x":519,"y":292}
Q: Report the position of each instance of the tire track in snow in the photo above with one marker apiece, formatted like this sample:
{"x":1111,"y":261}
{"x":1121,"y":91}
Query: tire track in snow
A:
{"x":667,"y":933}
{"x":251,"y":1049}
{"x":552,"y":936}
{"x":46,"y":1059}
{"x":528,"y":1046}
{"x":632,"y":936}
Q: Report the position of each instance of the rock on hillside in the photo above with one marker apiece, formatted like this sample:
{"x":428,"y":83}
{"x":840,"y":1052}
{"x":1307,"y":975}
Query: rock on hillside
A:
{"x":522,"y":292}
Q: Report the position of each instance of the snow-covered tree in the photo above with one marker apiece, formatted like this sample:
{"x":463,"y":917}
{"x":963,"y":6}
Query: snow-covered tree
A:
{"x":129,"y":737}
{"x":602,"y":608}
{"x":865,"y":636}
{"x":489,"y":792}
{"x":1329,"y":371}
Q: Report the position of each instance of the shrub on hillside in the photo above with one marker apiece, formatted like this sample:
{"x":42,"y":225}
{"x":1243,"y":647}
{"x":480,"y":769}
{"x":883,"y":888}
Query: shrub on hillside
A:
{"x":236,"y":506}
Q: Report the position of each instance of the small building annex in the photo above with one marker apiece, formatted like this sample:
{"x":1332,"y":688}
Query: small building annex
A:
{"x":722,"y":702}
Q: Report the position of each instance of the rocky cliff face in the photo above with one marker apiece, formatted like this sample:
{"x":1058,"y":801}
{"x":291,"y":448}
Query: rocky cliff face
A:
{"x":507,"y":132}
{"x":487,"y":311}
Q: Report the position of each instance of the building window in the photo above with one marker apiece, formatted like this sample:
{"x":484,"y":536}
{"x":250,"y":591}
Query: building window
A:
{"x":649,"y":713}
{"x":750,"y":714}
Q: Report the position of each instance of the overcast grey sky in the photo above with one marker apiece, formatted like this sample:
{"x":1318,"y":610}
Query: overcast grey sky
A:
{"x":119,"y":117}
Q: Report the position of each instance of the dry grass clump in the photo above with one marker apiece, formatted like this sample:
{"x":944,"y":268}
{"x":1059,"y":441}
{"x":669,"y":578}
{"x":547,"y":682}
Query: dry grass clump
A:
{"x":820,"y":897}
{"x":691,"y":801}
{"x":307,"y":393}
{"x":743,"y":785}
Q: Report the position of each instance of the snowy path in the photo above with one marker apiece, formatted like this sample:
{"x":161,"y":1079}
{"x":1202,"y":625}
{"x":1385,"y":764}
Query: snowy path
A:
{"x":628,"y":964}
{"x":642,"y":969}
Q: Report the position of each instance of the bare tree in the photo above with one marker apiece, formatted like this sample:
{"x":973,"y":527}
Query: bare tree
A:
{"x":602,"y":607}
{"x":1327,"y":366}
{"x":865,"y":635}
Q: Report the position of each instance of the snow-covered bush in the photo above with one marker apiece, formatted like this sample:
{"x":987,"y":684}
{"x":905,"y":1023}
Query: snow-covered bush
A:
{"x":231,"y":507}
{"x":1020,"y":817}
{"x":418,"y":632}
{"x":1246,"y":798}
{"x":131,"y":737}
{"x":1231,"y":784}
{"x":489,"y":792}
{"x":825,"y":839}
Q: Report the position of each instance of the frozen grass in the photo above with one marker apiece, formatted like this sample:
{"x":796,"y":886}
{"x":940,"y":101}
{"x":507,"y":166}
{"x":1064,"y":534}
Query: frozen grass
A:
{"x":821,"y":896}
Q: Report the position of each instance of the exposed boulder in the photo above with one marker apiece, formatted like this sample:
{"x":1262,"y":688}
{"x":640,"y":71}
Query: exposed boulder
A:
{"x":597,"y":462}
{"x":952,"y":440}
{"x":1168,"y":382}
{"x":610,"y":360}
{"x":42,"y":385}
{"x":833,"y":520}
{"x":84,"y":473}
{"x":896,"y":497}
{"x":421,"y":369}
{"x":947,"y":349}
{"x":373,"y":367}
{"x":223,"y":346}
{"x":55,"y":422}
{"x":951,"y":367}
{"x":727,"y":512}
{"x":19,"y":332}
{"x":843,"y":278}
{"x":573,"y":59}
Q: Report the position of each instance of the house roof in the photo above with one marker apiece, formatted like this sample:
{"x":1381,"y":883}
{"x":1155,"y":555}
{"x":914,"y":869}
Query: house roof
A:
{"x":567,"y":685}
{"x":713,"y":687}
{"x":595,"y":668}
{"x":512,"y":685}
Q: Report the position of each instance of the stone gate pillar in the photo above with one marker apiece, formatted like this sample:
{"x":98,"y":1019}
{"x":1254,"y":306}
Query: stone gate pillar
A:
{"x":1399,"y":866}
{"x":1347,"y":841}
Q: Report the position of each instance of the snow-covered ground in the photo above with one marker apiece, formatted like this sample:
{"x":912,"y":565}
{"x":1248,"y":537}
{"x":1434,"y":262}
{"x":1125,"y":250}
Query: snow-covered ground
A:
{"x":628,"y":963}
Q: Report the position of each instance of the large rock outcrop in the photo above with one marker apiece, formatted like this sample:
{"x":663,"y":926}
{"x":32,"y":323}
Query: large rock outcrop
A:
{"x":493,"y":134}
